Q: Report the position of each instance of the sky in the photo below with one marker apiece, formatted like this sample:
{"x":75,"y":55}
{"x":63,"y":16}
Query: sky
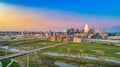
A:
{"x":56,"y":15}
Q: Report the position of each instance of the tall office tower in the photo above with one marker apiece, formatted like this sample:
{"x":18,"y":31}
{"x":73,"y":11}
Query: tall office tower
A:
{"x":72,"y":31}
{"x":92,"y":30}
{"x":65,"y":31}
{"x":68,"y":31}
{"x":50,"y":33}
{"x":86,"y":29}
{"x":77,"y":31}
{"x":82,"y":31}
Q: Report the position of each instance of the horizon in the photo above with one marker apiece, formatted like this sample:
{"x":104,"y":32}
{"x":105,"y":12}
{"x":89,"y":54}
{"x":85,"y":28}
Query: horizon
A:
{"x":57,"y":16}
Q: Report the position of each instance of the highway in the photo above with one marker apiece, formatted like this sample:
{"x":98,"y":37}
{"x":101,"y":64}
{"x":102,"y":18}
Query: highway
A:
{"x":108,"y":42}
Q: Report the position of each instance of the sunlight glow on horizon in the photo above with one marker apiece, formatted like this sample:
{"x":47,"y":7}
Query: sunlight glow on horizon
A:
{"x":13,"y":17}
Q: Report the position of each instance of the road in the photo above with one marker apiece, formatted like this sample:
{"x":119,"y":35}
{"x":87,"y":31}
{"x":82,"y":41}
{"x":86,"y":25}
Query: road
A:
{"x":29,"y":51}
{"x":109,"y":42}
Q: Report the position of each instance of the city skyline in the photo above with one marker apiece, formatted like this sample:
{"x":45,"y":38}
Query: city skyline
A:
{"x":34,"y":16}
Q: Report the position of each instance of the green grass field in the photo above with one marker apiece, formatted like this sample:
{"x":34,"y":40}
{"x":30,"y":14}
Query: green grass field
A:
{"x":33,"y":45}
{"x":3,"y":52}
{"x":21,"y":45}
{"x":110,"y":51}
{"x":9,"y":43}
{"x":40,"y":60}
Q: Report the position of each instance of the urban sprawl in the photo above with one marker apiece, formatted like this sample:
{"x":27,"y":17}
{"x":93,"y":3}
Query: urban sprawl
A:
{"x":68,"y":35}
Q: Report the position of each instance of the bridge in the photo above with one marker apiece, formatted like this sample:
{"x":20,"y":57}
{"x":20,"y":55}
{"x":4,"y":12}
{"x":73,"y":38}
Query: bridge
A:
{"x":29,"y":51}
{"x":102,"y":41}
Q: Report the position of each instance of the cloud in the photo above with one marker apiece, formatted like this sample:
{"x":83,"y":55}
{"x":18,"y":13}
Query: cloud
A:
{"x":14,"y":17}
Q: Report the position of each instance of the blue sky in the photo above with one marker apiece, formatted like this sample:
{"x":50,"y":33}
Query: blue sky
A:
{"x":95,"y":7}
{"x":102,"y":9}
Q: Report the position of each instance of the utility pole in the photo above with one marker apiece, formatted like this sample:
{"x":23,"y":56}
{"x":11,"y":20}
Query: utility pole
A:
{"x":27,"y":60}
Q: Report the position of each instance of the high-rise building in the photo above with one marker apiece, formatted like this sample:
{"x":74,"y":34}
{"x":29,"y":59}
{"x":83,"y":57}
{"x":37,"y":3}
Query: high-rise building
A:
{"x":50,"y":33}
{"x":68,"y":31}
{"x":72,"y":31}
{"x":65,"y":31}
{"x":82,"y":30}
{"x":77,"y":31}
{"x":97,"y":31}
{"x":91,"y":30}
{"x":86,"y":29}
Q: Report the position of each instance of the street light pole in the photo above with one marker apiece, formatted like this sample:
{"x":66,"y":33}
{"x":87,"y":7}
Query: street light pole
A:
{"x":6,"y":52}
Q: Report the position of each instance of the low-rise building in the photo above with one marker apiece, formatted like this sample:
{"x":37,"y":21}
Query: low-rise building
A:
{"x":5,"y":37}
{"x":60,"y":38}
{"x":77,"y":39}
{"x":104,"y":35}
{"x":19,"y":37}
{"x":96,"y":36}
{"x":53,"y":38}
{"x":67,"y":39}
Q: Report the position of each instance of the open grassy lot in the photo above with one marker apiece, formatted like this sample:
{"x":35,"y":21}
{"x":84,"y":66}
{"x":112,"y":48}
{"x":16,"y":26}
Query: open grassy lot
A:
{"x":3,"y":52}
{"x":24,"y":44}
{"x":36,"y":60}
{"x":40,"y":60}
{"x":14,"y":43}
{"x":9,"y":43}
{"x":33,"y":44}
{"x":90,"y":49}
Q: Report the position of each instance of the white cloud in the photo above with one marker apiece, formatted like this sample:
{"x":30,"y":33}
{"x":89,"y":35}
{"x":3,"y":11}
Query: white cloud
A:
{"x":43,"y":18}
